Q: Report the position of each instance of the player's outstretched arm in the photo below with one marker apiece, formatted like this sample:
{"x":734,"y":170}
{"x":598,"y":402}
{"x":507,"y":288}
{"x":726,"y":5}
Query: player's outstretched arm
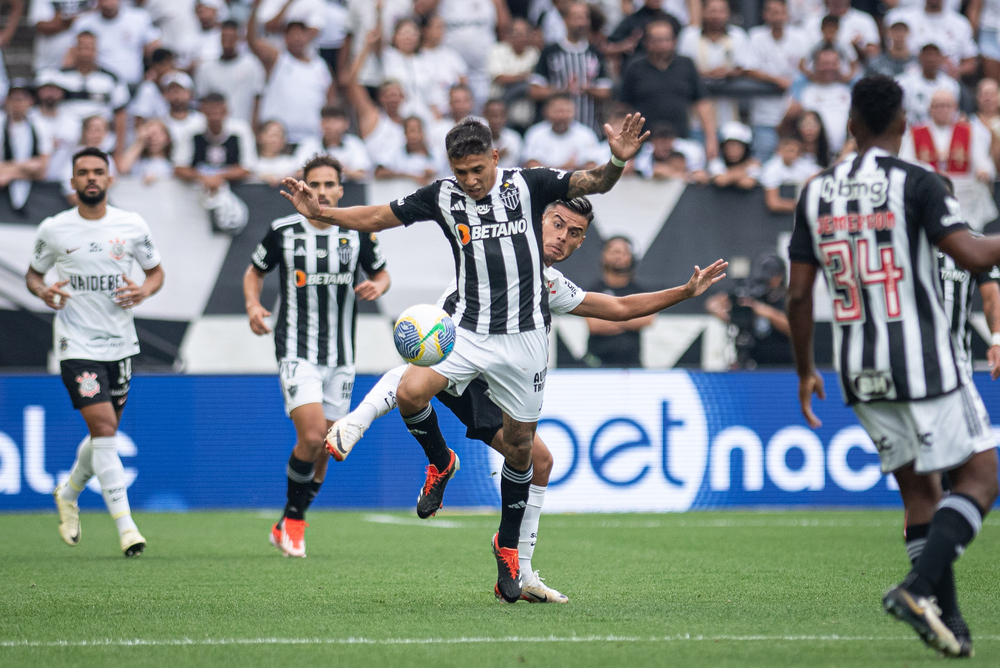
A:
{"x":608,"y":307}
{"x":360,"y":218}
{"x":800,"y":320}
{"x":624,"y":146}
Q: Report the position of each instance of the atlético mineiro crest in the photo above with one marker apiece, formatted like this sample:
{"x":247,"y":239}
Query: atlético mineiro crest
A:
{"x":89,"y":387}
{"x":344,"y":252}
{"x":117,"y":248}
{"x":510,"y":195}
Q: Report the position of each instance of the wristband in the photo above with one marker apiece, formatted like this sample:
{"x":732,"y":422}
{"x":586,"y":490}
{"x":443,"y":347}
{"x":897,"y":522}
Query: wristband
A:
{"x":618,"y":163}
{"x":995,"y":339}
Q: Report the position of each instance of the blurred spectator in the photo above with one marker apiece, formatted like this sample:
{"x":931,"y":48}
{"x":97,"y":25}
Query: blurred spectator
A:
{"x":94,"y":133}
{"x":808,"y":127}
{"x":340,"y":144}
{"x":363,"y":16}
{"x":402,"y":63}
{"x":774,"y":55}
{"x":445,"y":65}
{"x":92,"y":90}
{"x":984,"y":17}
{"x":575,"y":66}
{"x":149,"y":156}
{"x":205,"y":43}
{"x":331,"y":37}
{"x":719,"y":51}
{"x":947,"y":28}
{"x":507,"y":142}
{"x":663,"y":86}
{"x":178,"y":21}
{"x":988,"y":114}
{"x":788,"y":170}
{"x":222,"y":154}
{"x":15,"y":11}
{"x":182,"y":121}
{"x":959,"y":150}
{"x":273,"y":17}
{"x":125,"y":35}
{"x":735,"y":165}
{"x":292,"y":74}
{"x":658,"y":158}
{"x":755,"y":312}
{"x":509,"y":66}
{"x":460,"y":105}
{"x":53,"y":23}
{"x":828,"y":97}
{"x":829,"y":27}
{"x":472,"y":27}
{"x":897,"y":58}
{"x":800,"y":12}
{"x":920,"y":84}
{"x":237,"y":76}
{"x":26,"y":146}
{"x":274,"y":160}
{"x":412,"y":160}
{"x":552,"y":21}
{"x":381,"y":125}
{"x":857,"y":31}
{"x":559,"y":141}
{"x":148,"y":101}
{"x":617,"y":344}
{"x":60,"y":124}
{"x":628,"y":37}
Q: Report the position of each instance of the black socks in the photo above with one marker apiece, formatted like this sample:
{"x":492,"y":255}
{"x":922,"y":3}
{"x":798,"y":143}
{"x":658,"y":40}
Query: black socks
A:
{"x":514,"y":486}
{"x":424,"y":427}
{"x":300,"y":475}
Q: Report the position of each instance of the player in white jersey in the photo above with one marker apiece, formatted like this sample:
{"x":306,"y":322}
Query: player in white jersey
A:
{"x":872,"y":223}
{"x":564,"y":228}
{"x":93,"y":247}
{"x":319,"y":267}
{"x":492,"y":219}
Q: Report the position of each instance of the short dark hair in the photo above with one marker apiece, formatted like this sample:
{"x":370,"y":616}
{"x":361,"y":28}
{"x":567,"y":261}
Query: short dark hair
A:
{"x":161,"y":55}
{"x":560,"y":95}
{"x":323,"y":161}
{"x":495,"y":100}
{"x":214,"y":98}
{"x":876,"y":101}
{"x":578,"y":205}
{"x":231,"y":23}
{"x":93,"y":152}
{"x":830,"y":20}
{"x":468,"y":137}
{"x":86,"y":33}
{"x":333,"y":111}
{"x":662,"y":18}
{"x":296,"y":24}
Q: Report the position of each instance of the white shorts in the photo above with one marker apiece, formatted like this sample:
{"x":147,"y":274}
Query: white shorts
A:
{"x":305,"y":383}
{"x":935,"y":434}
{"x":513,"y":365}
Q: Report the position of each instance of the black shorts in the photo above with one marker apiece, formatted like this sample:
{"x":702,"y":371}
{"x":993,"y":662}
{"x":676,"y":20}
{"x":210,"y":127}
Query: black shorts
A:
{"x":482,"y":418}
{"x":91,"y":382}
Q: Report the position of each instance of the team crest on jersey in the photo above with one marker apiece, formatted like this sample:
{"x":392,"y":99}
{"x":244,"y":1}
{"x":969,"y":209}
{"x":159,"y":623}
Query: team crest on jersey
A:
{"x":510,"y":195}
{"x":63,"y":344}
{"x":88,"y":385}
{"x":344,"y":252}
{"x":292,"y":390}
{"x":117,"y":248}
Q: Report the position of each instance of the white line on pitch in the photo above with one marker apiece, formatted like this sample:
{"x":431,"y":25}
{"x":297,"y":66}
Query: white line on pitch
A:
{"x":409,"y":521}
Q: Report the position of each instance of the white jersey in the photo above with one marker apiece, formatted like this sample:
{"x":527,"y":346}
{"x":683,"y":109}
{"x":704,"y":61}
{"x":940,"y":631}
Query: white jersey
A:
{"x":93,"y":255}
{"x":564,"y":294}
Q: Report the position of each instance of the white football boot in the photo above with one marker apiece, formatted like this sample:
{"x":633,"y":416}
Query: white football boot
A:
{"x":534,"y":590}
{"x":342,"y":437}
{"x":133,"y":544}
{"x":69,"y":518}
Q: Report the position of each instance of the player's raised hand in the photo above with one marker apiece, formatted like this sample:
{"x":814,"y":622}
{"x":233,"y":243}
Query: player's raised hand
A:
{"x":993,"y":356}
{"x":627,"y":143}
{"x":54,"y":297}
{"x":257,"y":314}
{"x":702,"y":279}
{"x":808,"y":386}
{"x":131,"y":294}
{"x":302,"y":197}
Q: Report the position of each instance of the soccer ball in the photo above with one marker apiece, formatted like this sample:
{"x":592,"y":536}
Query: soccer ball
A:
{"x":424,"y":335}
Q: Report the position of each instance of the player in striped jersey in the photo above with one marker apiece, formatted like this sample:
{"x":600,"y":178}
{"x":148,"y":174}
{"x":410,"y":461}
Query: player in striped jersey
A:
{"x":874,"y":224}
{"x":492,"y":219}
{"x":319,"y":266}
{"x":564,"y":228}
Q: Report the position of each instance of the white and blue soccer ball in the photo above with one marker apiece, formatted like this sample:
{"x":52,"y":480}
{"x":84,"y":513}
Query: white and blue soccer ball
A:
{"x":424,"y":335}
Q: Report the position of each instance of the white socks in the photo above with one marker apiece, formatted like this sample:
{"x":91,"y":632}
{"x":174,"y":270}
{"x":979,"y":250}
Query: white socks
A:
{"x":83,"y":470}
{"x":381,"y":400}
{"x":529,"y":528}
{"x":110,"y":472}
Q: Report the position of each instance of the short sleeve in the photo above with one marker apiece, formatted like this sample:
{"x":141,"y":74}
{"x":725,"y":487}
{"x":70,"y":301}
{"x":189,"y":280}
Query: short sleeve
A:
{"x":540,"y":77}
{"x":800,"y":248}
{"x":938,"y":212}
{"x":991,"y":276}
{"x":564,"y":294}
{"x":370,"y":257}
{"x":546,"y":185}
{"x":697,"y":84}
{"x":44,"y":254}
{"x":267,"y":255}
{"x":418,"y":206}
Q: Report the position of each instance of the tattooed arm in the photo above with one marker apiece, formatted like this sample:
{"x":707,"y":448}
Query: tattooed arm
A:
{"x":624,"y":146}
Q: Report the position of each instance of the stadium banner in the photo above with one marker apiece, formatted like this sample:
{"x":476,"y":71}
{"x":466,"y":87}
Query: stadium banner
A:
{"x":623,"y":441}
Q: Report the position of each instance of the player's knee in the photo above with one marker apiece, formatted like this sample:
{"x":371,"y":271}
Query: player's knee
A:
{"x":102,"y":428}
{"x":314,"y":441}
{"x":409,"y":400}
{"x":541,"y":460}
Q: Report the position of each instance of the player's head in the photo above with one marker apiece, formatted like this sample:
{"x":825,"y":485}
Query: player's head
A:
{"x":472,"y":157}
{"x":323,"y":174}
{"x":877,"y":112}
{"x":91,"y":175}
{"x":564,"y":227}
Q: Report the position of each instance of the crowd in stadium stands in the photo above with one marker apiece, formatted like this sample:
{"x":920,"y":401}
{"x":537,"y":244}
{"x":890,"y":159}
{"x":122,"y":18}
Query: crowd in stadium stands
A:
{"x":220,"y":91}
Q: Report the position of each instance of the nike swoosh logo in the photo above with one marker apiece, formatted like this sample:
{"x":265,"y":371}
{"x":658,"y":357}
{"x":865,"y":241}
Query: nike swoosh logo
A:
{"x":438,"y":327}
{"x":71,"y":250}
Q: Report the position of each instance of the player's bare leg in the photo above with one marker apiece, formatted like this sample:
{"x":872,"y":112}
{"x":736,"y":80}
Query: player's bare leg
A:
{"x":310,"y":429}
{"x":416,"y":388}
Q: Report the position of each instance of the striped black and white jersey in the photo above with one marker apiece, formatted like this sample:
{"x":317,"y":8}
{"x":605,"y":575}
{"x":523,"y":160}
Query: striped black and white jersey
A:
{"x":318,"y":270}
{"x":872,"y":224}
{"x":563,"y":64}
{"x":497,"y":243}
{"x":958,"y":287}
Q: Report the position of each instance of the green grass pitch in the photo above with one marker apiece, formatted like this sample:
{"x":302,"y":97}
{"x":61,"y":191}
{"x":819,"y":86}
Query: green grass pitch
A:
{"x":712,"y":589}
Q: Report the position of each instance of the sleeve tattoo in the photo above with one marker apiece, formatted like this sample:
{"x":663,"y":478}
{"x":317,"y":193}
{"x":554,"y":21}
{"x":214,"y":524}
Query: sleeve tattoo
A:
{"x":593,"y":181}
